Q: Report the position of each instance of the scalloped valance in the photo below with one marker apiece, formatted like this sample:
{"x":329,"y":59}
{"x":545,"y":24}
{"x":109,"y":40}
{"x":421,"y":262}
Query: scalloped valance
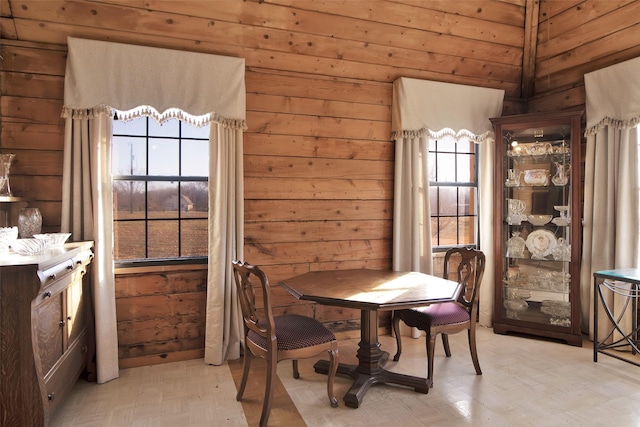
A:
{"x":613,"y":96}
{"x":427,"y":107}
{"x":104,"y":75}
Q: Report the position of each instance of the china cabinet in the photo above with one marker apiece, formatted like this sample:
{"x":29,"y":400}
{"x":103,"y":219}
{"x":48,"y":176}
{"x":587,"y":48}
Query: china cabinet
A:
{"x":537,"y":225}
{"x":46,"y":331}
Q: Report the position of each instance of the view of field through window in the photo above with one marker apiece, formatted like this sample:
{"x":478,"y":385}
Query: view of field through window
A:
{"x":160,"y":189}
{"x":453,"y":187}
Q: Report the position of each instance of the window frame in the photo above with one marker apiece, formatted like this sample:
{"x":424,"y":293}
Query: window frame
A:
{"x":474,"y":183}
{"x":146,"y":179}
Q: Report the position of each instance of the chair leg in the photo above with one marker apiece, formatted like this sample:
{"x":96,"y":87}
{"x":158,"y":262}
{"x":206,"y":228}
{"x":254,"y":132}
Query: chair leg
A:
{"x":333,"y":368}
{"x":245,"y":373}
{"x":396,"y":331}
{"x":445,"y":343}
{"x":431,"y":349}
{"x":474,"y":350}
{"x":296,"y":373}
{"x":268,"y":393}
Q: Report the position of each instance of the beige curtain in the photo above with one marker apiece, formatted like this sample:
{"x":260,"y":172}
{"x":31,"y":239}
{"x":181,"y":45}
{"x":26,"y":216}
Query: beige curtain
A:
{"x":411,"y":210}
{"x":425,"y":109}
{"x":611,"y":207}
{"x":103,"y":76}
{"x":226,"y":237}
{"x":87,"y":214}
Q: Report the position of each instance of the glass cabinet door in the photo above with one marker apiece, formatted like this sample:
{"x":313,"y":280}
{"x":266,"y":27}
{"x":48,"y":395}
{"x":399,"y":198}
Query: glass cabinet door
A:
{"x":537,"y":206}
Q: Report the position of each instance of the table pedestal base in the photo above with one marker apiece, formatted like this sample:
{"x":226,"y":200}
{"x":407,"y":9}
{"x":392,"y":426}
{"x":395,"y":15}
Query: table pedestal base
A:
{"x":363,"y":380}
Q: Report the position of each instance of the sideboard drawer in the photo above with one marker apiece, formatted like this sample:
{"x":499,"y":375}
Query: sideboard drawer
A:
{"x":70,"y":365}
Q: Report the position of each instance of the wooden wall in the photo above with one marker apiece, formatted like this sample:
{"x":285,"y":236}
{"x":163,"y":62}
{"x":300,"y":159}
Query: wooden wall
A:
{"x":574,"y":38}
{"x":318,"y":154}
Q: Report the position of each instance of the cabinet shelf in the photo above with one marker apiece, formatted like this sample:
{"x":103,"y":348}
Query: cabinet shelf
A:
{"x":541,"y":158}
{"x":537,"y":267}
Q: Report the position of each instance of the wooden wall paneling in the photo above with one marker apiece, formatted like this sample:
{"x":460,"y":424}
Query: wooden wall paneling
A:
{"x":317,"y":210}
{"x":308,"y":106}
{"x":318,"y":153}
{"x":269,"y":49}
{"x":566,"y":52}
{"x":266,"y":59}
{"x":33,"y":58}
{"x":42,"y":188}
{"x":154,"y":283}
{"x":550,"y":9}
{"x":373,"y":263}
{"x":298,"y":188}
{"x":5,"y":8}
{"x":50,"y":211}
{"x":31,"y":85}
{"x":306,"y":252}
{"x":421,"y":16}
{"x":32,"y":136}
{"x":7,"y":26}
{"x":290,"y":124}
{"x":556,"y":23}
{"x":324,"y":168}
{"x":320,"y":231}
{"x":160,"y":313}
{"x":288,"y":83}
{"x":529,"y":49}
{"x":129,"y":355}
{"x":569,"y":69}
{"x":44,"y":193}
{"x":36,"y":162}
{"x":167,"y":329}
{"x":565,"y":99}
{"x":31,"y":110}
{"x":157,"y":306}
{"x":346,"y":21}
{"x":584,"y":54}
{"x":317,"y":146}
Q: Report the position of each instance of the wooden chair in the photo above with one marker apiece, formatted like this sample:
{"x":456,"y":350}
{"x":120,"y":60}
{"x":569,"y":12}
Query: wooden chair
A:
{"x":448,"y":318}
{"x":276,"y":338}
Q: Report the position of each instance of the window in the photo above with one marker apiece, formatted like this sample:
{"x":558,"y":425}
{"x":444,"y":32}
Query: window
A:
{"x":453,"y":181}
{"x":160,"y":189}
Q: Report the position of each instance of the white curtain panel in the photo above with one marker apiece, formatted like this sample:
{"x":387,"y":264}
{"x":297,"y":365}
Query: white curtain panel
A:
{"x":411,"y":210}
{"x":87,"y":215}
{"x":224,"y":330}
{"x":103,"y":76}
{"x":423,"y":109}
{"x":611,"y":206}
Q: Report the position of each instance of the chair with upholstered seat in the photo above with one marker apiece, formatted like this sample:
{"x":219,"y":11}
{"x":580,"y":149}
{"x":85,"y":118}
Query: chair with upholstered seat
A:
{"x":276,"y":338}
{"x":452,"y":317}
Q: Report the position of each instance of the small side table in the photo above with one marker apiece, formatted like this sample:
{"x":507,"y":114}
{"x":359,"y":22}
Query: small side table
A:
{"x":626,"y":284}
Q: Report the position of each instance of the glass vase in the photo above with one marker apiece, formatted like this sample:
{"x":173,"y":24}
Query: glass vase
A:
{"x":29,"y":222}
{"x":5,"y":166}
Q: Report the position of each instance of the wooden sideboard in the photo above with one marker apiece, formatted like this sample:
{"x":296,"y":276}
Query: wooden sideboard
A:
{"x":46,"y":331}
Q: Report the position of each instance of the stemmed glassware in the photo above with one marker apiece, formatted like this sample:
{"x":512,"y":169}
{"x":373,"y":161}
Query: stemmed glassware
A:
{"x":563,"y":219}
{"x":5,"y":166}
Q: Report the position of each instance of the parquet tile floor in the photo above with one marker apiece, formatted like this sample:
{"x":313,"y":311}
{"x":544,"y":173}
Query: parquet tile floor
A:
{"x":525,"y":382}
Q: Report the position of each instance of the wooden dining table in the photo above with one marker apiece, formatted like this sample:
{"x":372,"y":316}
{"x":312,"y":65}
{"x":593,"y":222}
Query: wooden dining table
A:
{"x":371,"y":291}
